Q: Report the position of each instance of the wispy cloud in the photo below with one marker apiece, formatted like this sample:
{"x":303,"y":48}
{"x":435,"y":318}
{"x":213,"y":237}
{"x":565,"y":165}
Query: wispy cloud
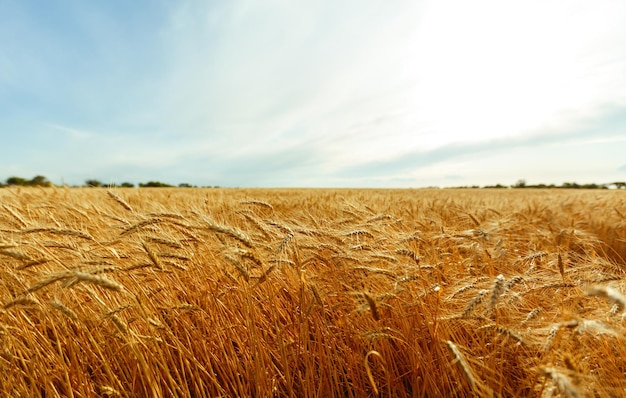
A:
{"x":606,"y":127}
{"x":72,"y":132}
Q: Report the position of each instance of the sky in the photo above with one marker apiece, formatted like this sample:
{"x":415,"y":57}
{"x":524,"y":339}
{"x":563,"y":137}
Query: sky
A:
{"x":316,"y":93}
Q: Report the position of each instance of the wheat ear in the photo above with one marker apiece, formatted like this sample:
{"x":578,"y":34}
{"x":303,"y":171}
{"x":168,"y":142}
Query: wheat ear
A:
{"x":119,"y":200}
{"x":610,"y":294}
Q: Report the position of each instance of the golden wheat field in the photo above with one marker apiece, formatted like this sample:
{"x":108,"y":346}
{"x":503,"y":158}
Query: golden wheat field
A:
{"x":312,"y":293}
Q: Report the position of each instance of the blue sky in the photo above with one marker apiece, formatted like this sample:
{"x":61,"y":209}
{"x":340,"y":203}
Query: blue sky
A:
{"x":313,"y":94}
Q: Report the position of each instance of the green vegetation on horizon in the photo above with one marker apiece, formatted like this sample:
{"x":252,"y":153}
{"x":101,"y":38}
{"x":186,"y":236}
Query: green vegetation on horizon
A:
{"x":43,"y":182}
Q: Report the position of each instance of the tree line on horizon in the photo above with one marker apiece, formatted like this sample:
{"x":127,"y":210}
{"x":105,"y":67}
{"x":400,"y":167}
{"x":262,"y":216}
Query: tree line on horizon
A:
{"x":565,"y":185}
{"x":41,"y":181}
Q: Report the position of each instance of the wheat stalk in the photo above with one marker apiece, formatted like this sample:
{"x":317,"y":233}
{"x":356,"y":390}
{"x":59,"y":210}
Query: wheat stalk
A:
{"x":23,"y":300}
{"x":15,"y":254}
{"x":120,"y":201}
{"x":98,"y":280}
{"x":562,"y":382}
{"x":237,"y":235}
{"x":462,"y":289}
{"x":460,"y":359}
{"x":7,"y":245}
{"x":166,"y":242}
{"x":55,"y":277}
{"x":610,"y":294}
{"x":250,"y":256}
{"x":16,"y":216}
{"x":368,"y":370}
{"x":559,"y":262}
{"x":140,"y":225}
{"x":410,"y":254}
{"x":240,"y":267}
{"x":504,"y":331}
{"x":372,"y":305}
{"x":474,"y":303}
{"x":285,"y":242}
{"x":532,"y":315}
{"x":58,"y":231}
{"x":258,"y":203}
{"x":64,"y":309}
{"x":474,"y":219}
{"x":265,"y":274}
{"x":497,"y":291}
{"x":153,"y":257}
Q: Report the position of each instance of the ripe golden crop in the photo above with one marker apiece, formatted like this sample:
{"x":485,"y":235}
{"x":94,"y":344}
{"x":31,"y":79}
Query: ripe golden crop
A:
{"x":259,"y":292}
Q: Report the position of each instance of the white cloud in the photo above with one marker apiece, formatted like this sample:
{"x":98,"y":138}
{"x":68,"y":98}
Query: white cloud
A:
{"x":492,"y":68}
{"x":73,"y":133}
{"x":362,"y":82}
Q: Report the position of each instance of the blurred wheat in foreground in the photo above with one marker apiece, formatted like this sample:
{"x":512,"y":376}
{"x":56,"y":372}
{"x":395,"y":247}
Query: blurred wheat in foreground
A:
{"x":302,"y":293}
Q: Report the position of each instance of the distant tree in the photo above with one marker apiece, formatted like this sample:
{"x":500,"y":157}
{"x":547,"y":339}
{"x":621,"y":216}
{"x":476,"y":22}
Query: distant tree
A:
{"x":619,"y":184}
{"x":16,"y":181}
{"x":154,"y":184}
{"x":594,"y":186}
{"x":498,"y":186}
{"x":40,"y":181}
{"x":185,"y":185}
{"x":127,"y":185}
{"x":520,"y":184}
{"x":93,"y":183}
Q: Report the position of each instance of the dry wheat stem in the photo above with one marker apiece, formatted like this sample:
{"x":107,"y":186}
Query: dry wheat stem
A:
{"x":562,"y":382}
{"x":610,"y":294}
{"x":153,"y":257}
{"x":371,"y":302}
{"x":64,"y":309}
{"x":15,"y":254}
{"x":55,"y":277}
{"x":98,"y":280}
{"x":33,"y":263}
{"x":165,"y":242}
{"x":240,"y":267}
{"x":368,"y":370}
{"x":237,"y":235}
{"x":284,"y":242}
{"x":258,"y":203}
{"x":474,"y":219}
{"x":7,"y":245}
{"x":504,"y":331}
{"x":463,"y":289}
{"x":58,"y":231}
{"x":532,"y":315}
{"x":16,"y":216}
{"x":497,"y":291}
{"x":23,"y":300}
{"x":474,"y":303}
{"x":265,"y":274}
{"x":465,"y":367}
{"x":120,"y":201}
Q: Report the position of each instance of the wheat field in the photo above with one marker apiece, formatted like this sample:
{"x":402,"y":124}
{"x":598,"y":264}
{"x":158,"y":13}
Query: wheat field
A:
{"x":312,"y":293}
